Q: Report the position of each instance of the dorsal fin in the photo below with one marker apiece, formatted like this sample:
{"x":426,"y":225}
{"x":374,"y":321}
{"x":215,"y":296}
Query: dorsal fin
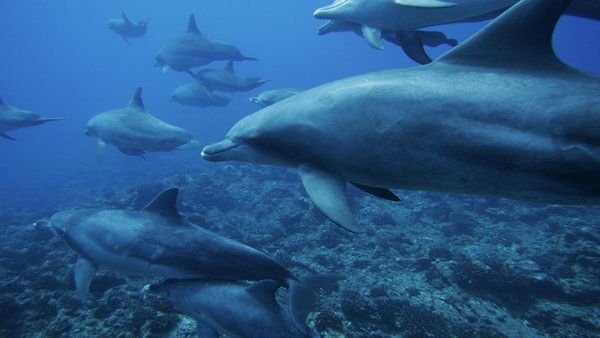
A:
{"x":136,"y":99}
{"x":264,"y":291}
{"x":192,"y":28}
{"x":520,"y":36}
{"x":125,"y":17}
{"x":164,"y":204}
{"x":229,"y":67}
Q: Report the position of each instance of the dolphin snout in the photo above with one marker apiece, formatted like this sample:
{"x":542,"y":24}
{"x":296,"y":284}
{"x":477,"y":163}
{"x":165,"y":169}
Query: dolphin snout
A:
{"x":213,"y":152}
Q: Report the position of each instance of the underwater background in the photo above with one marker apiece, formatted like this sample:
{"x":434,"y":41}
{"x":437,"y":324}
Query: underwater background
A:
{"x":433,"y":265}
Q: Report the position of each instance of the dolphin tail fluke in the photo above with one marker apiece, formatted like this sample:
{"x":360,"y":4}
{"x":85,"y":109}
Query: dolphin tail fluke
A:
{"x":7,"y":137}
{"x":124,"y":38}
{"x":328,"y":193}
{"x":48,"y":119}
{"x":84,"y":273}
{"x":193,"y":144}
{"x":303,"y":295}
{"x":248,"y":58}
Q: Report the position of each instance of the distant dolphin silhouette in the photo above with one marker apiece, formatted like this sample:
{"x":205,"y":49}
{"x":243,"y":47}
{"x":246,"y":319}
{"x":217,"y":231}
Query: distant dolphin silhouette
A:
{"x":13,"y":118}
{"x":227,"y":79}
{"x":134,"y":131}
{"x":498,"y":115}
{"x":157,"y":241}
{"x":194,"y":49}
{"x":126,"y":28}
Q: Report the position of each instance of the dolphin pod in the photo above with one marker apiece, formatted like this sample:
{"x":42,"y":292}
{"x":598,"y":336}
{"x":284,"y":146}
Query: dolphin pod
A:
{"x":158,"y":242}
{"x":399,"y":20}
{"x":134,"y":131}
{"x":194,"y":49}
{"x":498,"y":115}
{"x":126,"y":28}
{"x":14,"y":118}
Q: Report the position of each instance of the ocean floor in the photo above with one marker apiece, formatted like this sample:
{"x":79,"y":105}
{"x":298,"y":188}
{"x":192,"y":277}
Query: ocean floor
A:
{"x":432,"y":265}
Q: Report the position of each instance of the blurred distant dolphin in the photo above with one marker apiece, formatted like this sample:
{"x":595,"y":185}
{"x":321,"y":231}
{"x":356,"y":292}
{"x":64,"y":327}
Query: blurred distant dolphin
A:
{"x":197,"y":95}
{"x":194,"y":49}
{"x":269,"y":97}
{"x":126,"y":28}
{"x":234,"y":308}
{"x":227,"y":79}
{"x":134,"y":131}
{"x":497,"y":115}
{"x":158,"y":241}
{"x":412,"y":42}
{"x":14,"y":118}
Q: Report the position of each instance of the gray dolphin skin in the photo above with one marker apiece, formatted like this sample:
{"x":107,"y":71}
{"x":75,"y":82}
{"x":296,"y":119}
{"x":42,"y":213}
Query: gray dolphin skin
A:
{"x":498,"y":115}
{"x":232,"y":308}
{"x":126,"y":28}
{"x":134,"y":131}
{"x":227,"y":79}
{"x":14,"y":118}
{"x":197,"y":95}
{"x":269,"y":97}
{"x":194,"y":49}
{"x":158,"y":241}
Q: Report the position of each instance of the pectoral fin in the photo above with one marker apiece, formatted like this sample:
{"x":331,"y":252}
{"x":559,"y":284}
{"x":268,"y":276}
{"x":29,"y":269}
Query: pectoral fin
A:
{"x":412,"y":46}
{"x":8,"y":137}
{"x":125,"y":38}
{"x":84,"y":273}
{"x":328,"y":192}
{"x":425,"y":3}
{"x":165,"y":69}
{"x":373,"y":36}
{"x":100,"y":150}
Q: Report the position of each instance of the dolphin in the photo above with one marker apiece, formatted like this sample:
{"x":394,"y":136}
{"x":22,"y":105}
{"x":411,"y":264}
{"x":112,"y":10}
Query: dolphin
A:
{"x":234,"y":308}
{"x":412,"y":42}
{"x":134,"y":131}
{"x":227,"y":79}
{"x":14,"y":118}
{"x":196,"y":94}
{"x":269,"y":97}
{"x":127,"y":29}
{"x":194,"y":49}
{"x":498,"y":115}
{"x":158,"y":242}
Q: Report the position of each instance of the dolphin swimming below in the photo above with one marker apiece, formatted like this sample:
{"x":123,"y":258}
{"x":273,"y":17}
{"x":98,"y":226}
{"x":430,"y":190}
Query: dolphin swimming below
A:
{"x":269,"y":97}
{"x":197,"y":95}
{"x":14,"y":118}
{"x":498,"y":115}
{"x":126,"y":28}
{"x":227,"y":79}
{"x":134,"y":131}
{"x":157,"y":241}
{"x":194,"y":49}
{"x":234,"y":308}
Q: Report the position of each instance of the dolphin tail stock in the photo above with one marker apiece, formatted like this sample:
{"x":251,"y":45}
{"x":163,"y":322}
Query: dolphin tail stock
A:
{"x":303,"y":296}
{"x":7,"y":137}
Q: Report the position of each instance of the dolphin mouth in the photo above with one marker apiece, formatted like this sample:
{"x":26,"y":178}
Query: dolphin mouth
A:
{"x":321,"y":13}
{"x":213,"y":152}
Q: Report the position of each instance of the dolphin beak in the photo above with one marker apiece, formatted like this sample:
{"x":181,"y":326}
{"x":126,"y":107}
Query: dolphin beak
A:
{"x":213,"y":152}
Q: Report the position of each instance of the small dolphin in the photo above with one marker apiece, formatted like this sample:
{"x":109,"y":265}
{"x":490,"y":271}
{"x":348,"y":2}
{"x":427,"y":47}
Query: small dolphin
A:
{"x":157,"y":241}
{"x":227,"y":79}
{"x":127,"y":29}
{"x":269,"y":97}
{"x":134,"y":131}
{"x":498,"y":115}
{"x":197,"y":95}
{"x":194,"y":49}
{"x":412,"y":42}
{"x":15,"y":118}
{"x":234,"y":308}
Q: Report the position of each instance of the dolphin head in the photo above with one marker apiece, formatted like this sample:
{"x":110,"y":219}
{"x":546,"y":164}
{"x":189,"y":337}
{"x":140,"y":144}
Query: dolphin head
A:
{"x":340,"y":9}
{"x":90,"y":129}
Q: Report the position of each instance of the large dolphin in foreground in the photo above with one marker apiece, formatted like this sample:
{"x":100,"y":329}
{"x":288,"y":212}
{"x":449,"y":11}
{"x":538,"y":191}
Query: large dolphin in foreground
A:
{"x":227,"y":79}
{"x":127,"y":29}
{"x":134,"y":131}
{"x":498,"y":115}
{"x":235,"y":308}
{"x":194,"y":49}
{"x":158,"y":241}
{"x":14,"y":118}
